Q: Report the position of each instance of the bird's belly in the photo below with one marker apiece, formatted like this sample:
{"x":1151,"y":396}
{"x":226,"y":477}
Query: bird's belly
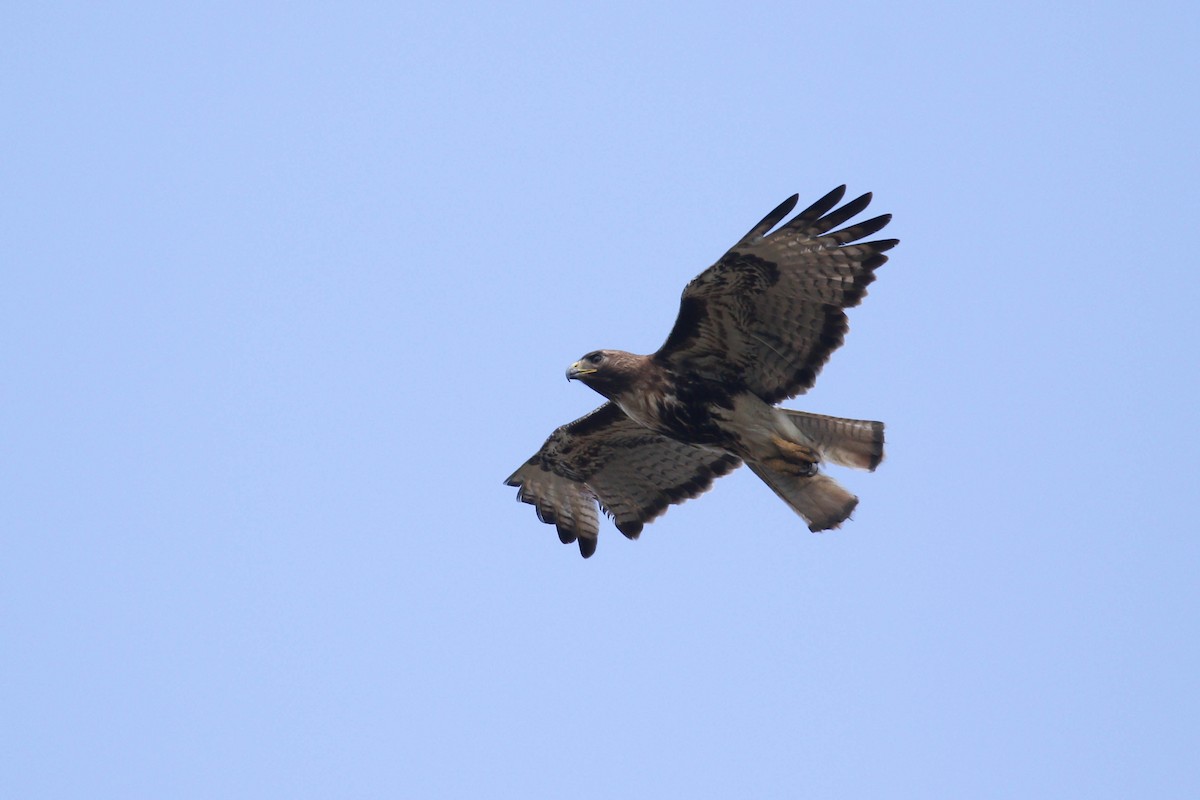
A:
{"x":694,"y":423}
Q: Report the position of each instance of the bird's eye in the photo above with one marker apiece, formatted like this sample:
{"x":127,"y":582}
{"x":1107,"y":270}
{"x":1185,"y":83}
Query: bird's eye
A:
{"x":594,"y":358}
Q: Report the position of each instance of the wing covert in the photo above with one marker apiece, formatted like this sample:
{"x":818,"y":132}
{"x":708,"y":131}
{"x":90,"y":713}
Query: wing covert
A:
{"x":770,"y":312}
{"x":607,"y":458}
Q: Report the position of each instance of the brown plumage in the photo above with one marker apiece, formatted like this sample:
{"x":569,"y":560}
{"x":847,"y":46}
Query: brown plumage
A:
{"x":753,"y":329}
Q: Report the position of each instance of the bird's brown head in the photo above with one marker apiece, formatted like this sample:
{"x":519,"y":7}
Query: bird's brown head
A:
{"x":607,"y":371}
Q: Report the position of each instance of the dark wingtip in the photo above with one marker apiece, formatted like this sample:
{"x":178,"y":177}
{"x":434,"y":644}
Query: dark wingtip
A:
{"x":818,"y":209}
{"x":833,"y":196}
{"x":835,"y":217}
{"x":873,"y":263}
{"x":587,"y":546}
{"x":772,"y":219}
{"x":632,"y":530}
{"x":785,"y":208}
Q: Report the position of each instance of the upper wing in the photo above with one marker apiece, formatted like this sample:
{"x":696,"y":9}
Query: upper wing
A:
{"x":770,"y":312}
{"x":605,"y":456}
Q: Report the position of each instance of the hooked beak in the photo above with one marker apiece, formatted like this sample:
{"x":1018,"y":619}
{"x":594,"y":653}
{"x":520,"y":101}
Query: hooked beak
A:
{"x":578,"y":370}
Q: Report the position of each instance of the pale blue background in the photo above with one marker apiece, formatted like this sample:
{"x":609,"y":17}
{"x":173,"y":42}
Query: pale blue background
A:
{"x":288,"y":290}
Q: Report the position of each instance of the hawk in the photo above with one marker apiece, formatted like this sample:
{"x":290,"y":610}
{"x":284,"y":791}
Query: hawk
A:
{"x":753,"y":329}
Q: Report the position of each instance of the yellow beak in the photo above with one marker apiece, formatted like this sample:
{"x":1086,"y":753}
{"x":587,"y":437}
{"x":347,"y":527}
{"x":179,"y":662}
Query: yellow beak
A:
{"x":577,"y":370}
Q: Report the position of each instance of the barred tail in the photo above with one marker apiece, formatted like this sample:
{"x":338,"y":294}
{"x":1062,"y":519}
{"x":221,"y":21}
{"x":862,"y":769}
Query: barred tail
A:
{"x":821,"y":500}
{"x":849,"y":442}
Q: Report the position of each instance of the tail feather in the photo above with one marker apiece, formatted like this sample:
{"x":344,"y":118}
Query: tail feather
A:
{"x":849,"y":442}
{"x":820,"y":500}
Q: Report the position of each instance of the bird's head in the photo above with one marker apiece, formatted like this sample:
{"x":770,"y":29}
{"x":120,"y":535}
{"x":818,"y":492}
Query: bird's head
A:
{"x":586,"y":367}
{"x":606,"y":371}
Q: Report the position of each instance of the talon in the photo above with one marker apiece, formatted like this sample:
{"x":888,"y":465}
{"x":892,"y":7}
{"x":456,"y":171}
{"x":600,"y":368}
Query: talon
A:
{"x":801,"y":469}
{"x":794,"y":458}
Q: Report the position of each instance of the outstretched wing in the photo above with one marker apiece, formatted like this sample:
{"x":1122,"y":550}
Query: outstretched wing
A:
{"x":608,"y":458}
{"x":770,"y":312}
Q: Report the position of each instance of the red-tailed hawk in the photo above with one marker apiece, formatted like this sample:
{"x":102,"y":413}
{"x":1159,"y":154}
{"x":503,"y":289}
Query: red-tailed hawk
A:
{"x":753,"y":329}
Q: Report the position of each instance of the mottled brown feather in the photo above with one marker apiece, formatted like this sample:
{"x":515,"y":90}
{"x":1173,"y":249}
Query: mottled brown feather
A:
{"x":765,"y":318}
{"x":605,"y":457}
{"x":770,"y":312}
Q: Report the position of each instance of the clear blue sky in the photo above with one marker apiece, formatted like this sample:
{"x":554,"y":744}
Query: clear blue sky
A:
{"x":288,"y":291}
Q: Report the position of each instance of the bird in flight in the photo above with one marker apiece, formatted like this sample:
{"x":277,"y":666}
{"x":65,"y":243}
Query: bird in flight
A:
{"x":753,"y":329}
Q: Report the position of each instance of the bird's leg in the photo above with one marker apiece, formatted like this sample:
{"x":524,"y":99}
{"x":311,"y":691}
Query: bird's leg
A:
{"x":792,"y":458}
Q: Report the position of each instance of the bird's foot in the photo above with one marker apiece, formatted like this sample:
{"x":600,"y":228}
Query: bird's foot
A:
{"x":793,"y":459}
